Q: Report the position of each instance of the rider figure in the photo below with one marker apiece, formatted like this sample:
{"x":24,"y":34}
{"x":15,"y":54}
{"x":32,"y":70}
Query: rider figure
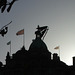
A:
{"x":4,"y":31}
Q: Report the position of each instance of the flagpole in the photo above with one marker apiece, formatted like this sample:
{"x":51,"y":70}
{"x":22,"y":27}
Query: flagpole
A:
{"x":9,"y":43}
{"x":21,"y":32}
{"x":23,"y":39}
{"x":59,"y":51}
{"x":10,"y":48}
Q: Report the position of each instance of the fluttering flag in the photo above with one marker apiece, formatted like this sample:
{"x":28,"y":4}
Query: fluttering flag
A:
{"x":21,"y":32}
{"x":9,"y":43}
{"x":57,"y":47}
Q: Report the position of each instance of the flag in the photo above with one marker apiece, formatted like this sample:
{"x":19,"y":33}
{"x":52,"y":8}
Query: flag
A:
{"x":9,"y":43}
{"x":57,"y":47}
{"x":21,"y":32}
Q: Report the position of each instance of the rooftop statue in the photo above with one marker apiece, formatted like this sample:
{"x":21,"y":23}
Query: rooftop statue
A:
{"x":4,"y":29}
{"x":4,"y":3}
{"x":41,"y":31}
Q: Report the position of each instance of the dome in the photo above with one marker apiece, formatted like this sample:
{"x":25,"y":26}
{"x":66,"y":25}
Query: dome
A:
{"x":38,"y":44}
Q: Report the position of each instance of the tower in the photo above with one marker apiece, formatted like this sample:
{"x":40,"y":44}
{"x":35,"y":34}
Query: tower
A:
{"x":38,"y":47}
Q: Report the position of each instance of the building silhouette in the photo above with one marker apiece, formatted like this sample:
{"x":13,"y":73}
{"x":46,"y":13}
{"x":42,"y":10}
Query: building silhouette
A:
{"x":35,"y":61}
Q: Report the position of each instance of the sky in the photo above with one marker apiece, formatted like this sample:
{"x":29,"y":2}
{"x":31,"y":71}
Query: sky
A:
{"x":58,"y":15}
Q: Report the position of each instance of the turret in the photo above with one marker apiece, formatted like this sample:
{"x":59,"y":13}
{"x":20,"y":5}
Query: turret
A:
{"x":74,"y":61}
{"x":55,"y":56}
{"x":8,"y":58}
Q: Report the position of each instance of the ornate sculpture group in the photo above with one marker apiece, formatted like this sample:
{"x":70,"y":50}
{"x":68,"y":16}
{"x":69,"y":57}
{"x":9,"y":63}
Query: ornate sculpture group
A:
{"x":4,"y":3}
{"x":41,"y":31}
{"x":4,"y":29}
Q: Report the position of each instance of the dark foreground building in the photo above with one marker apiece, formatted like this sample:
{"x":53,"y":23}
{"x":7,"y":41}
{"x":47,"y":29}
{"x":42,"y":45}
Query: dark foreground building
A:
{"x":35,"y":61}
